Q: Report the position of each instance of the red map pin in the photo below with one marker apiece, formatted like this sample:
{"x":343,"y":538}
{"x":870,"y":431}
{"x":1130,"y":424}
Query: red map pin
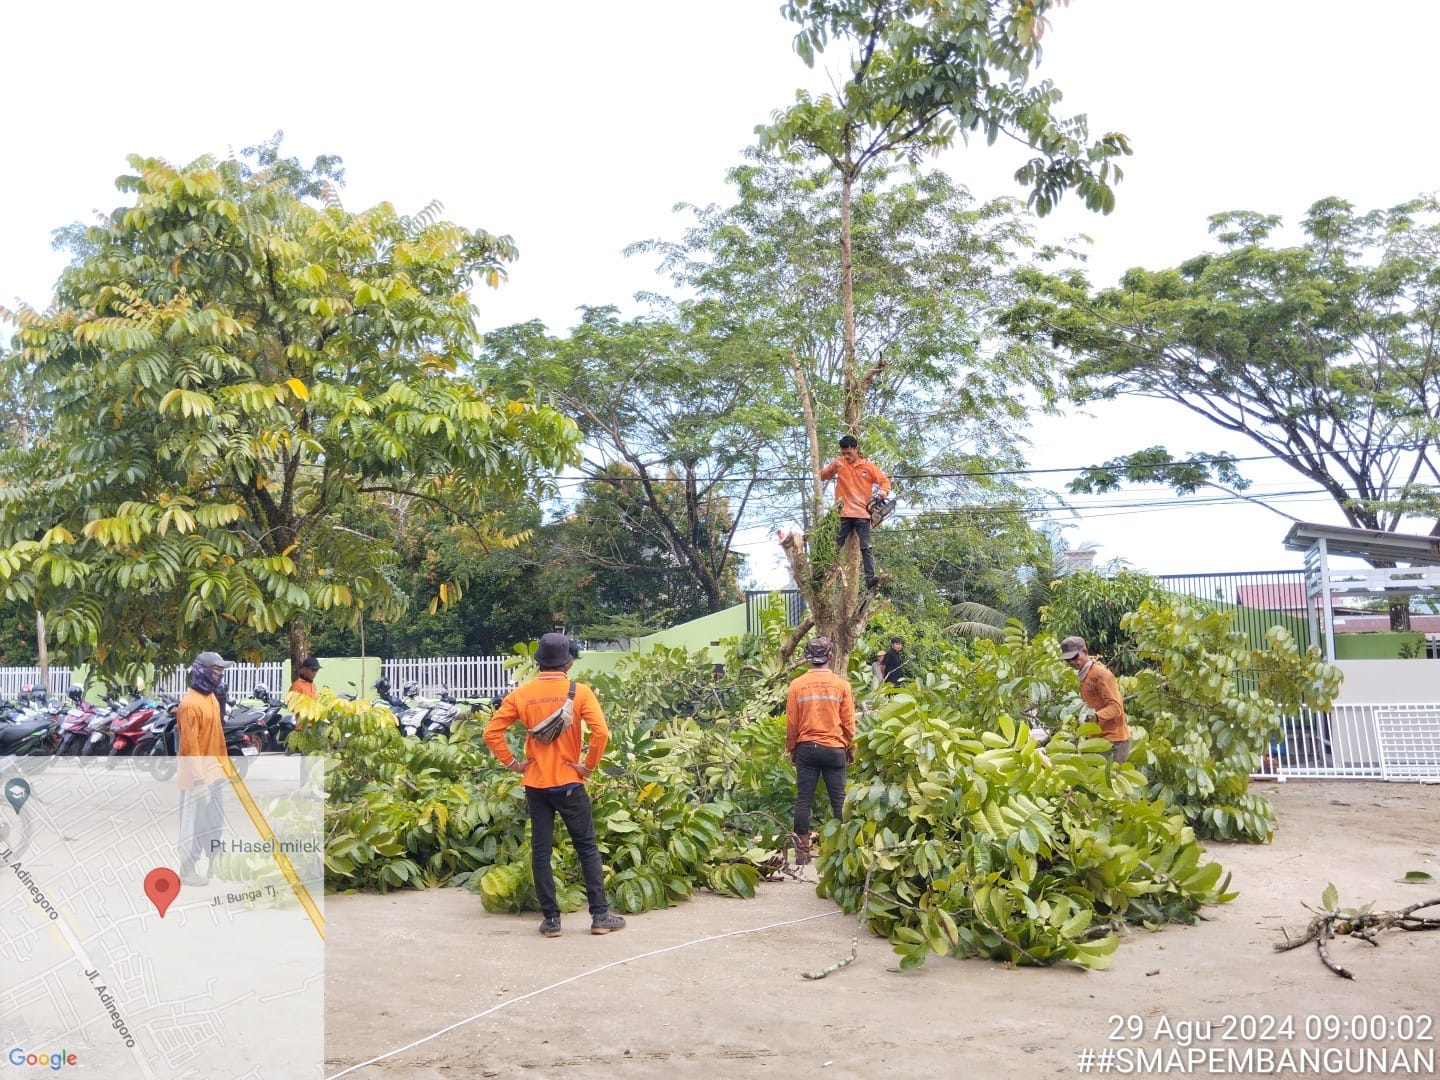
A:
{"x":162,"y":885}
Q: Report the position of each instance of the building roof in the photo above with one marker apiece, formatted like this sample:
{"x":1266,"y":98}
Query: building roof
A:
{"x":1272,"y":595}
{"x":1366,"y":543}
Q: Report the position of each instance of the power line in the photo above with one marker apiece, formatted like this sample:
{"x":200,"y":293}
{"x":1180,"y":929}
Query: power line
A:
{"x":763,"y":478}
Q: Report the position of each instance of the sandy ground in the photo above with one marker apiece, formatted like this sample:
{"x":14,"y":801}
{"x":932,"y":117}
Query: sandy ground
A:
{"x":672,"y":996}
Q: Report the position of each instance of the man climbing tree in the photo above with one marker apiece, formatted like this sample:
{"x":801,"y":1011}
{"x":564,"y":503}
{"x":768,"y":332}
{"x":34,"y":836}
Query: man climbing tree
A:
{"x":855,"y":480}
{"x":919,"y":74}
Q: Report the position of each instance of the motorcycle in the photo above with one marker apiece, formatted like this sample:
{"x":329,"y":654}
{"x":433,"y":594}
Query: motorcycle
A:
{"x":102,"y":723}
{"x":271,"y":714}
{"x":159,"y":742}
{"x":441,"y":717}
{"x":126,"y":730}
{"x":75,"y":724}
{"x":407,"y":718}
{"x":32,"y":735}
{"x":420,"y":717}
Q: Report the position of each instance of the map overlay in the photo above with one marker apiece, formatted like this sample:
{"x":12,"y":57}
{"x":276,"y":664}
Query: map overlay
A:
{"x":123,"y":954}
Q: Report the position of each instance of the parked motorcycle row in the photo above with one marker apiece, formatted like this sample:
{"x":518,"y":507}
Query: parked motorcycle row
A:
{"x":38,"y":725}
{"x":142,"y":726}
{"x":427,"y":717}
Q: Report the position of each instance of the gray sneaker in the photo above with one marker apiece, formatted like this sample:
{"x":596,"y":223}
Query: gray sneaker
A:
{"x":607,"y":923}
{"x":550,"y":926}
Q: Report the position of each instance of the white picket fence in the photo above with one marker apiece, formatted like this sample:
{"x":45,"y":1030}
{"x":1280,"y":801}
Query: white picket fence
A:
{"x":466,"y":676}
{"x":242,"y":678}
{"x":16,"y":680}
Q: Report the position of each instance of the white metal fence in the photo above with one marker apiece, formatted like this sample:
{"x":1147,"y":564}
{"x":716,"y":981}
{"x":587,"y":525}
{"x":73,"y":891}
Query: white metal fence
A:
{"x":1359,"y":741}
{"x":15,"y":680}
{"x":467,"y":676}
{"x":242,"y":678}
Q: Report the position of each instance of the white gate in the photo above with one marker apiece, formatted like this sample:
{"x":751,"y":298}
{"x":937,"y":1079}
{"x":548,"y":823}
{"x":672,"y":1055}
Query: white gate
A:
{"x":1359,"y":741}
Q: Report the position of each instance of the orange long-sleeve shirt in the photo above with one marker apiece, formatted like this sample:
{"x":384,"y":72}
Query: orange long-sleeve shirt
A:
{"x":202,"y":739}
{"x":304,"y":686}
{"x":853,"y":484}
{"x":531,"y":703}
{"x":1101,"y":692}
{"x":820,"y":708}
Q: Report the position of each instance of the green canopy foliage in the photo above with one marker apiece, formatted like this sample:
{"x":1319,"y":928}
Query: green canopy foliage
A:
{"x":229,"y":362}
{"x":1323,"y":353}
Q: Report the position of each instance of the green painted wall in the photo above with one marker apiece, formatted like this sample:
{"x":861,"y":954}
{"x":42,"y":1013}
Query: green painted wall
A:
{"x":703,"y":633}
{"x":1380,"y":645}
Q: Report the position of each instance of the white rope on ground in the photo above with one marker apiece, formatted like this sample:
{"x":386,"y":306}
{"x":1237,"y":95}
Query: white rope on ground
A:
{"x":571,"y":979}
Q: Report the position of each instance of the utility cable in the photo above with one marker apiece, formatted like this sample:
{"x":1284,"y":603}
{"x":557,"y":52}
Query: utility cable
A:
{"x":571,"y":979}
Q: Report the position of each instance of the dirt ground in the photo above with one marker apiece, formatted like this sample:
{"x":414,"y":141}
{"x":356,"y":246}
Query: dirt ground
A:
{"x":672,"y":995}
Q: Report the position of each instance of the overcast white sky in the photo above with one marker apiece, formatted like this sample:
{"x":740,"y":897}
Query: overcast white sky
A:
{"x":575,"y":127}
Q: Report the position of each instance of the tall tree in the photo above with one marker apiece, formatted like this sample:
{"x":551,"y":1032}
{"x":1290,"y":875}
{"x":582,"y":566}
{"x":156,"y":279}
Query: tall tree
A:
{"x":612,"y":569}
{"x":230,"y":361}
{"x":1324,"y":353}
{"x":920,"y":72}
{"x":677,"y":409}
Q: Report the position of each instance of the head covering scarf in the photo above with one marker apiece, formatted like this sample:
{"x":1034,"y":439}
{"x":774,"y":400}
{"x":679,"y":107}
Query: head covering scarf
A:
{"x":203,"y":679}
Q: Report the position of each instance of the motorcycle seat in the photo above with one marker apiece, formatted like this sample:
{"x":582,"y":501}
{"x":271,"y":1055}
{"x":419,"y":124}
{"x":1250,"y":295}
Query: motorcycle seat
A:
{"x":15,"y":734}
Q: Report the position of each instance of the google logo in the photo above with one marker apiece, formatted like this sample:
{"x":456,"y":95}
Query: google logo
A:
{"x":56,"y":1061}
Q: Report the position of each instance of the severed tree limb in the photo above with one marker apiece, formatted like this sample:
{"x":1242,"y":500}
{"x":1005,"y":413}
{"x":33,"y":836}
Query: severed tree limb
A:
{"x":1366,"y":925}
{"x":859,"y":925}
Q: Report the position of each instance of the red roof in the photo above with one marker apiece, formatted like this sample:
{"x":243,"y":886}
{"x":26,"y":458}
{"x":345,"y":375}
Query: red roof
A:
{"x":1273,"y":596}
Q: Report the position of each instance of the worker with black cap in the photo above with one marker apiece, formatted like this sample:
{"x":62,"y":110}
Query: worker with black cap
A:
{"x":305,"y":681}
{"x":819,"y":736}
{"x":554,"y":776}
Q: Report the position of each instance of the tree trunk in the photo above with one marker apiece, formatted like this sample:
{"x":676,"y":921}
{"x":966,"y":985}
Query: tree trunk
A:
{"x":299,"y":639}
{"x":838,"y":608}
{"x":42,"y":651}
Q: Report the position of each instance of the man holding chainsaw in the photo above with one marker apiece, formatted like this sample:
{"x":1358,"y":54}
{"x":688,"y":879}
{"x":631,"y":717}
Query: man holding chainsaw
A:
{"x":554,"y":776}
{"x":855,"y":479}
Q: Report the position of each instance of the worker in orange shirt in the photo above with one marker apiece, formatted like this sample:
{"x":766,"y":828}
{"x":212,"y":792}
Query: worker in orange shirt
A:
{"x":201,"y":776}
{"x":855,"y":479}
{"x":305,"y":680}
{"x":819,"y":736}
{"x":548,"y":706}
{"x":1101,"y":694}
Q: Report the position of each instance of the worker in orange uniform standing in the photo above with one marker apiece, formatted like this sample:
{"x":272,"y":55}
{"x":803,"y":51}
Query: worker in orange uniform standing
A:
{"x":855,"y":479}
{"x":554,"y":776}
{"x":305,"y":680}
{"x":199,"y":772}
{"x":819,"y":736}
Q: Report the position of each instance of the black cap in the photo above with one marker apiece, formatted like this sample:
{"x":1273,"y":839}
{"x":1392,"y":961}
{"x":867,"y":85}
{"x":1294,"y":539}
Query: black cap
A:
{"x":553,"y":652}
{"x":310,"y":662}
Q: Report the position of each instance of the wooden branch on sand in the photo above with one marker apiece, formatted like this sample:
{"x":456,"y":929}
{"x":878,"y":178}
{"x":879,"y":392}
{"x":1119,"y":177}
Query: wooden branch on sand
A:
{"x":1366,"y":925}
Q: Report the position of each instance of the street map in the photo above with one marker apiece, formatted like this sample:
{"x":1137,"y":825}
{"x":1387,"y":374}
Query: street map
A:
{"x":123,"y":954}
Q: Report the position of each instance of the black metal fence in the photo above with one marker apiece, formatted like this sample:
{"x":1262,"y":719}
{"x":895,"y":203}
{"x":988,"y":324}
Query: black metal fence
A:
{"x":1259,"y":599}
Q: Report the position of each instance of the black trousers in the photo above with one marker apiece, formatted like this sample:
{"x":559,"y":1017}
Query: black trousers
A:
{"x":572,"y":803}
{"x":861,"y":528}
{"x":813,"y":761}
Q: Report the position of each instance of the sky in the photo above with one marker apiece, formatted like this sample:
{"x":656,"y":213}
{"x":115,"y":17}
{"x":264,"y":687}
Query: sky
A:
{"x":576,"y":127}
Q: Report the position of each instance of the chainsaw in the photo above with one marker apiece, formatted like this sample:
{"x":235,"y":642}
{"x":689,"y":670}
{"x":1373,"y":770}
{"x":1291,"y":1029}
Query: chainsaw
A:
{"x":880,"y":507}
